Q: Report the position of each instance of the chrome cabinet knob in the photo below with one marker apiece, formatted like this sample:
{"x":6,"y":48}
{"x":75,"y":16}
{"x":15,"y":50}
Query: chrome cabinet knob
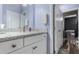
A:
{"x":34,"y":47}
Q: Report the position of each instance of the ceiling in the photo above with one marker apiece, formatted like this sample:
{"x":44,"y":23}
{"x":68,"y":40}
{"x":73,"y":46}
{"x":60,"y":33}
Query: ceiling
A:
{"x":65,"y":7}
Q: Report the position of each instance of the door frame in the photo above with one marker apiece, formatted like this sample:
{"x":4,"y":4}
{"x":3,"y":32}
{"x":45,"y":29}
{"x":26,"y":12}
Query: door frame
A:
{"x":54,"y":28}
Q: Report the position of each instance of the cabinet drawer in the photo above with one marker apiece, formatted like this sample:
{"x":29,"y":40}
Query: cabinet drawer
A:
{"x":36,"y":48}
{"x":33,"y":39}
{"x":40,"y":47}
{"x":24,"y":50}
{"x":9,"y":46}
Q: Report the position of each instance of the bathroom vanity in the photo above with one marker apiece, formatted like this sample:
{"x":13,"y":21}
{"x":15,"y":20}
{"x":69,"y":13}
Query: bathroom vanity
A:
{"x":34,"y":42}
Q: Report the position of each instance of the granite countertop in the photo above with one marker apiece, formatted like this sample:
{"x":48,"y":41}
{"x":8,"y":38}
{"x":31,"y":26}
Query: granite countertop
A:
{"x":15,"y":35}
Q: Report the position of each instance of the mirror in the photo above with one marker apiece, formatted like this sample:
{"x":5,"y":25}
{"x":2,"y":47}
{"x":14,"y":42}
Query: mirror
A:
{"x":13,"y":17}
{"x":12,"y":20}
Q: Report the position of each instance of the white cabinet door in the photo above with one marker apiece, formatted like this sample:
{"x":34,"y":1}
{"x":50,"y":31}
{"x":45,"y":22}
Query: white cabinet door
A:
{"x":25,"y":50}
{"x":40,"y":47}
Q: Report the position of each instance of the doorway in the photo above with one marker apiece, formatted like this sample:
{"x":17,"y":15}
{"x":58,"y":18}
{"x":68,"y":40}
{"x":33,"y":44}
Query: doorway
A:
{"x":71,"y":25}
{"x":70,"y":33}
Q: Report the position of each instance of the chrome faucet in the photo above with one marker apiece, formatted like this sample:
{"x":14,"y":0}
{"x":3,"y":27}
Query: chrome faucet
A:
{"x":25,"y":27}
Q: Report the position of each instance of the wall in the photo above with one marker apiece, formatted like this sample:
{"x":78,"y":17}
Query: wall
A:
{"x":0,"y":13}
{"x":58,"y":23}
{"x":41,"y":10}
{"x":65,"y":7}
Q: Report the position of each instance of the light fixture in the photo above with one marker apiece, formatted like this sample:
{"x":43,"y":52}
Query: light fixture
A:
{"x":2,"y":26}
